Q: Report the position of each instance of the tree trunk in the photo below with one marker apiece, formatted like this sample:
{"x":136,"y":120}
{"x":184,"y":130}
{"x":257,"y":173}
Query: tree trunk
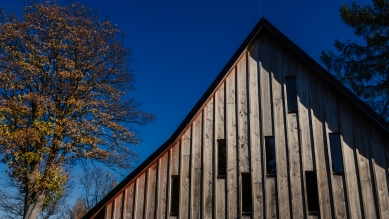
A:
{"x":33,"y":206}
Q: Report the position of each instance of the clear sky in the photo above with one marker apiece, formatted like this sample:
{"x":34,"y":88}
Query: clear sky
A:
{"x":180,"y":46}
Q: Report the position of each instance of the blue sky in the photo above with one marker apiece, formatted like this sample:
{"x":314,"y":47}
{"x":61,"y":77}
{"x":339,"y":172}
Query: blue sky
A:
{"x":180,"y":46}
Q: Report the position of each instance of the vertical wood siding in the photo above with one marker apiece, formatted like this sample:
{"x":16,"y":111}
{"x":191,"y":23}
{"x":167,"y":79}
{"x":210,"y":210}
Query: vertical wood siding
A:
{"x":250,"y":104}
{"x":220,"y":183}
{"x":331,"y":113}
{"x":255,"y":131}
{"x":162,"y":187}
{"x":207,"y":161}
{"x":232,"y":168}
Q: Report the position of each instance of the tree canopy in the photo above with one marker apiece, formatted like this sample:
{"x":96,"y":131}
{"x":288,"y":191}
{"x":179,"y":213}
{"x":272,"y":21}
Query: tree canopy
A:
{"x":64,"y":76}
{"x":364,"y":67}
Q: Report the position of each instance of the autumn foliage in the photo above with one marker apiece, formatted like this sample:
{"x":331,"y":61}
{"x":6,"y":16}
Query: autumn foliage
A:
{"x":64,"y":77}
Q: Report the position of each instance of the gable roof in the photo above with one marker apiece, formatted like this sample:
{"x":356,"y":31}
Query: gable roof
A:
{"x":262,"y":26}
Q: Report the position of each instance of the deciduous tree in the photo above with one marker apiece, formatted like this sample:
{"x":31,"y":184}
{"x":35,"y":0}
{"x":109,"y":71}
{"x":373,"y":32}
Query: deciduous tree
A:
{"x":95,"y":184}
{"x":364,"y":67}
{"x":64,"y":76}
{"x":12,"y":202}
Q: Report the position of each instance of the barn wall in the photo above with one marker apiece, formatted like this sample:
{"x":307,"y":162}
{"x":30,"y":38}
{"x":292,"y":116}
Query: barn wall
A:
{"x":249,"y":105}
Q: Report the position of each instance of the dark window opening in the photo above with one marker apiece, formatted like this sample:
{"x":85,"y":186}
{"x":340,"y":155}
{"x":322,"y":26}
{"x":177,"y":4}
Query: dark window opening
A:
{"x":221,"y":158}
{"x":291,"y":93}
{"x":175,"y":195}
{"x":336,"y":153}
{"x":270,"y":156}
{"x":312,"y":192}
{"x":247,"y":205}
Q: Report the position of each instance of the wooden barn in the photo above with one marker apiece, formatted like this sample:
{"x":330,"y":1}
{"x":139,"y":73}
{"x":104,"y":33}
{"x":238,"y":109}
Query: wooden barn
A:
{"x":274,"y":136}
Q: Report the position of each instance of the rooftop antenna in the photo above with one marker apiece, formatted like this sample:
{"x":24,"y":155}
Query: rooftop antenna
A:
{"x":259,"y":8}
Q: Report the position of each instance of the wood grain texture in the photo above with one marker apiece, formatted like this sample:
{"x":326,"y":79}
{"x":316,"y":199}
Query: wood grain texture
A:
{"x":108,"y":211}
{"x":118,"y":206}
{"x":207,"y":160}
{"x":242,"y":123}
{"x":185,"y":175}
{"x":348,"y":150}
{"x":379,"y":170}
{"x":319,"y":148}
{"x":297,"y":198}
{"x":241,"y":114}
{"x":162,"y":186}
{"x":151,"y":191}
{"x":195,"y":195}
{"x":339,"y":194}
{"x":304,"y":117}
{"x":140,"y":196}
{"x":330,"y":109}
{"x":220,"y":184}
{"x":279,"y":131}
{"x":128,"y":210}
{"x":337,"y":185}
{"x":364,"y":166}
{"x":271,"y":198}
{"x":264,"y":57}
{"x":232,"y":168}
{"x":175,"y":159}
{"x":255,"y":133}
{"x":294,"y":153}
{"x":265,"y":78}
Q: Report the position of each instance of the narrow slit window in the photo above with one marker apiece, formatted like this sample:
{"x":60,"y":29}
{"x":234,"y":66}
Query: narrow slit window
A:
{"x":312,"y":192}
{"x":291,"y":93}
{"x":336,"y":153}
{"x":247,"y":205}
{"x":221,"y":158}
{"x":270,"y":155}
{"x":175,"y":195}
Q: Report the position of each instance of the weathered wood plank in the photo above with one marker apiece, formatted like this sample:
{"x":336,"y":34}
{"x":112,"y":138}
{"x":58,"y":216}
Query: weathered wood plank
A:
{"x":175,"y":159}
{"x":295,"y":174}
{"x":220,"y":186}
{"x":174,"y":164}
{"x":128,"y":211}
{"x":271,"y":198}
{"x":279,"y":131}
{"x":338,"y":191}
{"x":140,"y":196}
{"x":118,"y":206}
{"x":264,"y":57}
{"x":108,"y":211}
{"x":364,"y":166}
{"x":185,"y":175}
{"x":162,"y":186}
{"x":242,"y":120}
{"x":232,"y":181}
{"x":195,"y":195}
{"x":221,"y":192}
{"x":255,"y":133}
{"x":292,"y":133}
{"x":330,"y":110}
{"x":304,"y":117}
{"x":348,"y":149}
{"x":318,"y":142}
{"x":380,"y":171}
{"x":313,"y":216}
{"x":244,"y":160}
{"x":270,"y":195}
{"x":207,"y":202}
{"x":332,"y":126}
{"x":151,"y":191}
